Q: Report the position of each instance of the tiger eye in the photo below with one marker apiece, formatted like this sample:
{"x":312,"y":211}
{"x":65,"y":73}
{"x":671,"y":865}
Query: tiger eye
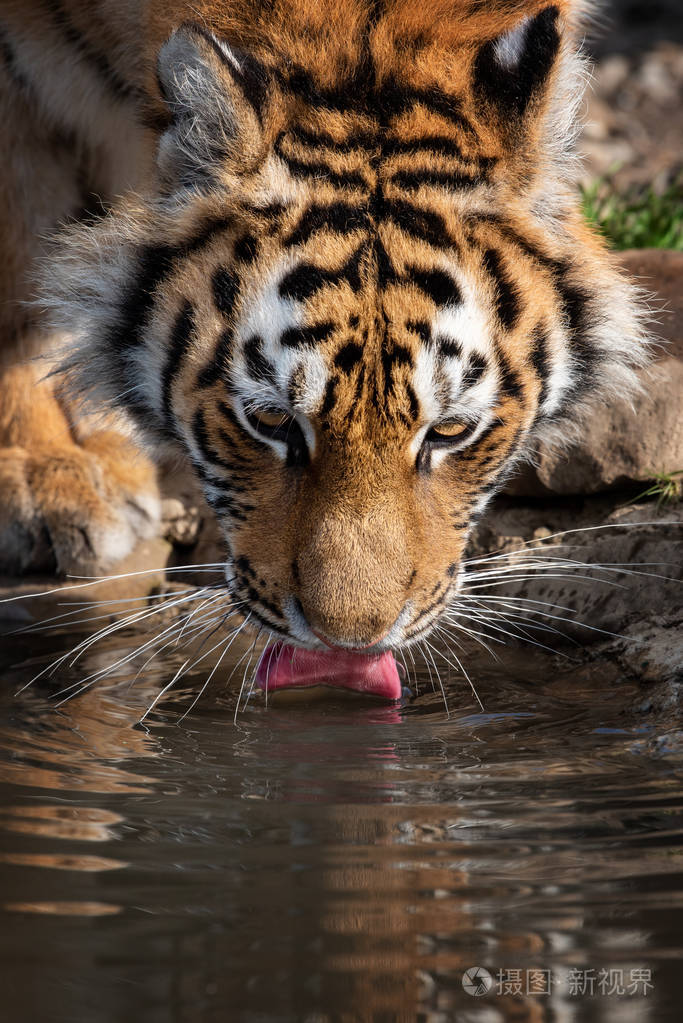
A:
{"x":270,"y":420}
{"x":450,"y":431}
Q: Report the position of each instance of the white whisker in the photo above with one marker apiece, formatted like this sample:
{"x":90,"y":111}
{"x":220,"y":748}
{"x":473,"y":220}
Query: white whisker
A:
{"x":427,"y":647}
{"x":95,"y":580}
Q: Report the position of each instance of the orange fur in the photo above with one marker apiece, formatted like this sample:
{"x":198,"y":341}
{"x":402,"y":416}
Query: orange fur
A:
{"x":384,"y":153}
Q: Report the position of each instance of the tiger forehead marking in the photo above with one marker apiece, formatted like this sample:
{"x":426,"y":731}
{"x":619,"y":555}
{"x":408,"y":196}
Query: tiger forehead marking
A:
{"x":363,"y":289}
{"x":419,"y":339}
{"x":350,"y":301}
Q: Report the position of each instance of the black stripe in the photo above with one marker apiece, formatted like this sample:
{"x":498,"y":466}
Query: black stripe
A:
{"x":225,"y":286}
{"x":512,"y":89}
{"x":244,"y":565}
{"x":318,"y":170}
{"x":424,"y":224}
{"x":355,"y":140}
{"x":437,"y":145}
{"x":295,"y":337}
{"x":246,"y":439}
{"x":426,"y":612}
{"x":348,"y":357}
{"x":360,"y":384}
{"x":246,"y":249}
{"x":220,"y":482}
{"x":483,"y":436}
{"x":394,"y":99}
{"x":95,"y":58}
{"x":306,"y":279}
{"x":575,"y":301}
{"x":358,"y":92}
{"x":554,"y":266}
{"x":226,"y":505}
{"x":201,"y":436}
{"x":272,"y":212}
{"x":340,"y":217}
{"x":296,"y":385}
{"x":414,"y":403}
{"x":576,"y":309}
{"x":330,"y":396}
{"x":539,"y":360}
{"x":218,"y":368}
{"x":178,"y":343}
{"x":413,"y":179}
{"x":507,"y":297}
{"x":395,"y":356}
{"x":510,"y":383}
{"x":476,"y":367}
{"x":422,"y":329}
{"x":449,"y":347}
{"x":258,"y":617}
{"x":273,"y":609}
{"x":301,"y":82}
{"x":258,"y":367}
{"x":207,"y":476}
{"x":155,"y":263}
{"x":254,"y":81}
{"x":437,"y":285}
{"x":236,"y":465}
{"x":385,"y":270}
{"x":402,"y":356}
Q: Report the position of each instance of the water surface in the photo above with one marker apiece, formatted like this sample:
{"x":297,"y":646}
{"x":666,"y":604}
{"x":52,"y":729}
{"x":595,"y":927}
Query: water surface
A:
{"x":336,"y":859}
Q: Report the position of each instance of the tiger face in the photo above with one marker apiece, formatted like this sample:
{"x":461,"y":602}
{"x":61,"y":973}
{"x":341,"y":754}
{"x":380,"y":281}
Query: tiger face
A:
{"x":362,"y":290}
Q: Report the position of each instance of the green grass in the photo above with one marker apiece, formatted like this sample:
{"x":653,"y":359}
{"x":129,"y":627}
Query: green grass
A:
{"x":665,"y":488}
{"x":638,"y":219}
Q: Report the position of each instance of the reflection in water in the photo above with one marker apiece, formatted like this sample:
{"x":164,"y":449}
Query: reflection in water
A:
{"x":64,"y":908}
{"x":332,"y":859}
{"x":68,"y":822}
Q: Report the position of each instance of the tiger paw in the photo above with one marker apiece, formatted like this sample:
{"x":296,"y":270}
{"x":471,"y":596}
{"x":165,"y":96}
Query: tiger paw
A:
{"x":74,"y":508}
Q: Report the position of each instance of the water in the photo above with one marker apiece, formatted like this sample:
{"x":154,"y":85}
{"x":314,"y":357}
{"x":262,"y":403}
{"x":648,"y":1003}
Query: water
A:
{"x":335,"y":859}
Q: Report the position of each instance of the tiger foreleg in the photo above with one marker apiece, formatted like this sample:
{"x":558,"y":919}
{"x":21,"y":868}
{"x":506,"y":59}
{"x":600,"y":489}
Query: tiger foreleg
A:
{"x":75,"y":496}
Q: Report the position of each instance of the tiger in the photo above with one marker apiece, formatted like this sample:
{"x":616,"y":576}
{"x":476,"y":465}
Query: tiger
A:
{"x":328,"y":252}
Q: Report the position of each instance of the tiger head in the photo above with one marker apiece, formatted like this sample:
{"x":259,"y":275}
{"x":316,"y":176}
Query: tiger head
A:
{"x":361,"y":289}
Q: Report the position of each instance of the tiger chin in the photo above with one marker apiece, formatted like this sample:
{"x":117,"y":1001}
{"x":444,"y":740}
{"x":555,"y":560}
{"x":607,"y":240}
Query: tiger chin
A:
{"x":346,"y":278}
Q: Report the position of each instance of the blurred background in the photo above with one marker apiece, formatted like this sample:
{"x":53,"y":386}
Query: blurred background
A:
{"x":632,"y":143}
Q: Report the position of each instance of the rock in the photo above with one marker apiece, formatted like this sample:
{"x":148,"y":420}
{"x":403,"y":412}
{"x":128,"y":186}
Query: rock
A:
{"x":632,"y":134}
{"x":638,"y":590}
{"x":626,"y":444}
{"x":188,"y":522}
{"x":180,"y":523}
{"x":130,"y":581}
{"x":653,"y":650}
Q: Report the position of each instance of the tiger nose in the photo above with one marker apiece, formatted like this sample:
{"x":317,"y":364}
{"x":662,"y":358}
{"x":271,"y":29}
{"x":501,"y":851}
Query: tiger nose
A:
{"x":345,"y":646}
{"x":346,"y":611}
{"x":337,"y":633}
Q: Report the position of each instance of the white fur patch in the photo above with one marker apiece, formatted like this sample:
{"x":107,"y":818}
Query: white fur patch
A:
{"x":467,"y":324}
{"x":225,"y":49}
{"x":268,"y":315}
{"x":509,"y":48}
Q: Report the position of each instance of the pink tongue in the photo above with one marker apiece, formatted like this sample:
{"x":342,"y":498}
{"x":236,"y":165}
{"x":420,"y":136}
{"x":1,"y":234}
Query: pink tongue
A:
{"x":287,"y":667}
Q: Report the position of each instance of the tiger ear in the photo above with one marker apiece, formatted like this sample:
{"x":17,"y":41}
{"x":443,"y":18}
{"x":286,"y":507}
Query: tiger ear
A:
{"x":216,"y":97}
{"x":512,"y":71}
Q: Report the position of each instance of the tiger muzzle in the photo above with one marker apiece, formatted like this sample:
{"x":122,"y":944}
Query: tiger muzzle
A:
{"x":352,"y":572}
